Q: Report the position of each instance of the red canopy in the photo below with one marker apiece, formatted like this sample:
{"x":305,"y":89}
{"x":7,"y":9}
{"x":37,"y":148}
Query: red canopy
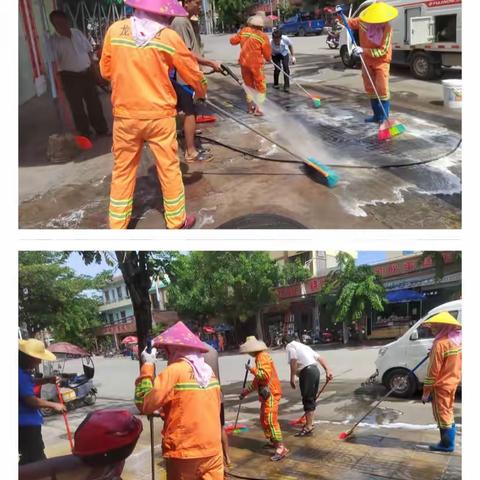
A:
{"x":68,"y":349}
{"x":130,"y":339}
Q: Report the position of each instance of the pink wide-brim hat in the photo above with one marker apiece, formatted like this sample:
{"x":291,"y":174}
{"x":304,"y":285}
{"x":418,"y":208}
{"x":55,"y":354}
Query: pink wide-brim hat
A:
{"x":168,"y":8}
{"x":179,"y":335}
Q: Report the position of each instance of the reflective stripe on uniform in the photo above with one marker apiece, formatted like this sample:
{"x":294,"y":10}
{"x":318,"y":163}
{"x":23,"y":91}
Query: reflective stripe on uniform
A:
{"x":152,"y":44}
{"x":184,"y":386}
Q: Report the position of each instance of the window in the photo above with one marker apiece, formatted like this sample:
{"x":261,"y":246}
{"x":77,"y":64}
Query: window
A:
{"x":119,"y":293}
{"x":123,"y":316}
{"x":107,"y":296}
{"x":446,"y":28}
{"x":110,"y":318}
{"x":127,"y":293}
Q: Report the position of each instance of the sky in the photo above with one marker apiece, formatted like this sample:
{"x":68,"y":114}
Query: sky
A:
{"x":367,"y":258}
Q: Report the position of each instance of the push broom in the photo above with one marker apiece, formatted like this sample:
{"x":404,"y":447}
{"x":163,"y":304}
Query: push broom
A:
{"x":65,"y":419}
{"x":388,"y":128}
{"x":235,"y":428}
{"x":317,"y":103}
{"x":346,"y":435}
{"x":329,"y":176}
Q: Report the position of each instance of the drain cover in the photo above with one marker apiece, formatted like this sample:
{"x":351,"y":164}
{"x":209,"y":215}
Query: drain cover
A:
{"x":260,"y":221}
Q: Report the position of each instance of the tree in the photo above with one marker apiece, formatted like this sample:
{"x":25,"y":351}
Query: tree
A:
{"x":293,"y":272}
{"x":138,"y":269}
{"x":438,"y":259}
{"x":350,"y":290}
{"x":53,"y":297}
{"x":232,"y":13}
{"x":232,"y":286}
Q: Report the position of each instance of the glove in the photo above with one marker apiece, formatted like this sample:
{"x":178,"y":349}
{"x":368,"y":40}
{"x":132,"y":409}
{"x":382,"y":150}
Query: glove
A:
{"x":248,"y":367}
{"x":149,"y":357}
{"x":293,"y":60}
{"x":338,"y":8}
{"x":357,"y":51}
{"x":243,"y":395}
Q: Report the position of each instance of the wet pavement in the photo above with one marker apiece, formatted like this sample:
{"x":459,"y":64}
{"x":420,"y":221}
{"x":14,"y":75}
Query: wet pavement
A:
{"x":411,"y":181}
{"x":390,"y":443}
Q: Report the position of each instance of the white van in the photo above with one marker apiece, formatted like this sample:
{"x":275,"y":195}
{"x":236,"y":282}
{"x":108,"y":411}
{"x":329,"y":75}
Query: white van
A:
{"x":427,"y":35}
{"x":397,"y":358}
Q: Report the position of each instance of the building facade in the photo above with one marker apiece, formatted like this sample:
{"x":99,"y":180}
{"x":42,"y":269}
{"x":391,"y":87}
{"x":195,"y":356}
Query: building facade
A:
{"x":411,"y":284}
{"x":118,"y":315}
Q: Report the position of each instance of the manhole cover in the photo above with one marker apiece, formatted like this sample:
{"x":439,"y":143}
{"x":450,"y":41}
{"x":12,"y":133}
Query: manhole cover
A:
{"x":260,"y":221}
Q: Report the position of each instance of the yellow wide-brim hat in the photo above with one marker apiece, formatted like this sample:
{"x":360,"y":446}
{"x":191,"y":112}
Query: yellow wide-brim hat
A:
{"x":252,"y":345}
{"x":443,"y":318}
{"x":35,"y":348}
{"x":379,"y":12}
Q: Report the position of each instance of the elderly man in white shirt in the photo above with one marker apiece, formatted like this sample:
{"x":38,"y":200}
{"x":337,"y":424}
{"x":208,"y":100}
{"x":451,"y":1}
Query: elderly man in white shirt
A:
{"x":304,"y":362}
{"x":282,"y":48}
{"x":73,"y":53}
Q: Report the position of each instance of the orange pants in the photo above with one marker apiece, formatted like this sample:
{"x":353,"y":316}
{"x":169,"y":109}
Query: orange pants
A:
{"x":380,"y":73}
{"x":210,"y":468}
{"x":442,"y":406}
{"x":254,"y":78}
{"x":129,"y":136}
{"x":269,"y":418}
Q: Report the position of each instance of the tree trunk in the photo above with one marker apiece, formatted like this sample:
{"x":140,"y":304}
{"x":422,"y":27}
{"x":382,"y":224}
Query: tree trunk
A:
{"x":135,"y":271}
{"x":259,"y":325}
{"x":345,"y":333}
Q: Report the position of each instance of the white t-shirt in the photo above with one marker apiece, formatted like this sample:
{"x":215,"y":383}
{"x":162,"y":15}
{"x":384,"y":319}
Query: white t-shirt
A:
{"x":71,"y":54}
{"x":304,"y":355}
{"x":282,"y":48}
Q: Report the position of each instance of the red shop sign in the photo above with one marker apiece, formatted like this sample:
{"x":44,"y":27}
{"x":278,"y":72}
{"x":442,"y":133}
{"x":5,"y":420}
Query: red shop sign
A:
{"x":442,"y":3}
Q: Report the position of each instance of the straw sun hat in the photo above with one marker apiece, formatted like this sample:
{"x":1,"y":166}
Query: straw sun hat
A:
{"x":252,"y":345}
{"x":443,"y":318}
{"x":35,"y":348}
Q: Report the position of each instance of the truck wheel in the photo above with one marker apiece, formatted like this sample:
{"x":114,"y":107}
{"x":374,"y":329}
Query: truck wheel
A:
{"x":404,"y":385}
{"x":422,"y":66}
{"x":346,"y":58}
{"x":301,"y":32}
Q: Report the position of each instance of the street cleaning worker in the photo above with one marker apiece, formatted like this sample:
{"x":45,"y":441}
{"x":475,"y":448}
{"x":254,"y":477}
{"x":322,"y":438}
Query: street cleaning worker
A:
{"x":188,"y":394}
{"x":267,"y":384}
{"x":443,"y":376}
{"x":376,"y":49}
{"x":31,"y":352}
{"x":282,"y":48}
{"x":137,"y":55}
{"x":254,"y":51}
{"x":303,"y":362}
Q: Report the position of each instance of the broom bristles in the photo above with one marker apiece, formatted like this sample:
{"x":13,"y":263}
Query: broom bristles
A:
{"x":330,"y":175}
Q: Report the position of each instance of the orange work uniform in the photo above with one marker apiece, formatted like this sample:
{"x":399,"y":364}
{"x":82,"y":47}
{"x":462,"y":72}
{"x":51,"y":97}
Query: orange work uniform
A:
{"x":254,"y":49}
{"x":266,"y":376}
{"x":144,"y":109}
{"x":377,"y":58}
{"x":191,"y":431}
{"x":443,"y":376}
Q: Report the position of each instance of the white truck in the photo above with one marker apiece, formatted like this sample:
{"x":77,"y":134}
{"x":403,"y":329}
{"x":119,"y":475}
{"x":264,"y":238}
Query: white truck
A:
{"x":427,"y":35}
{"x":397,"y":358}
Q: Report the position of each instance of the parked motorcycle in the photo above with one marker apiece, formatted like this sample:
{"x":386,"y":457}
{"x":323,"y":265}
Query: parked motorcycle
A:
{"x":307,"y":338}
{"x":333,"y":39}
{"x":76,"y":390}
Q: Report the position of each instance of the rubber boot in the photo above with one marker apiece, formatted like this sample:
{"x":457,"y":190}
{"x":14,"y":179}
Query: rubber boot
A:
{"x":386,"y":107}
{"x":376,"y":109}
{"x":447,"y":440}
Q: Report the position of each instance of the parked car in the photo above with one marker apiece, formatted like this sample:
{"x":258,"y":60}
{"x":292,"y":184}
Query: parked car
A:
{"x":397,"y":358}
{"x":426,"y":36}
{"x":301,"y":25}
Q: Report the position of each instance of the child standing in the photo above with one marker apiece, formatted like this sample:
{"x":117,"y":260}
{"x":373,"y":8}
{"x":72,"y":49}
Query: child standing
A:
{"x":254,"y":51}
{"x":267,"y":384}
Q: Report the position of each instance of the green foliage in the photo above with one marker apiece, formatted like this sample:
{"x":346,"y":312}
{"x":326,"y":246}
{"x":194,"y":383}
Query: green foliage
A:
{"x":350,"y":290}
{"x":52,"y":296}
{"x":293,"y":272}
{"x":227,"y":285}
{"x":232,"y":12}
{"x":158,"y":329}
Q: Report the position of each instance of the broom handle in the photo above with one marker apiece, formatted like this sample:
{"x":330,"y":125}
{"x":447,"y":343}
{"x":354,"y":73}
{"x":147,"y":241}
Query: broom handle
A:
{"x":65,"y":419}
{"x":290,"y":77}
{"x":367,"y":71}
{"x":243,"y":388}
{"x":386,"y":396}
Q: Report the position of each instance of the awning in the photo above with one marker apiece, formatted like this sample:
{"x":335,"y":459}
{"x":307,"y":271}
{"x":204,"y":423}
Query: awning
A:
{"x":400,"y":296}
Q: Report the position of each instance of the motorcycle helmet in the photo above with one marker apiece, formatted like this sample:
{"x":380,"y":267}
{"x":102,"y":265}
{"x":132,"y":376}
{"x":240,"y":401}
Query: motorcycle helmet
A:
{"x":107,"y":436}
